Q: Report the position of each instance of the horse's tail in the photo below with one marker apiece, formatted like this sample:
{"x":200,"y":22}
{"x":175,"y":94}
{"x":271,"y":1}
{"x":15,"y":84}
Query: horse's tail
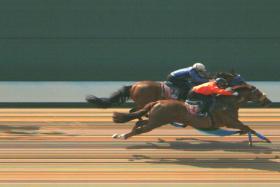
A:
{"x":118,"y":97}
{"x":121,"y":96}
{"x":125,"y":117}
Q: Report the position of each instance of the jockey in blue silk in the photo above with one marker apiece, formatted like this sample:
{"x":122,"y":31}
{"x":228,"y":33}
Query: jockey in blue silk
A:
{"x":186,"y":78}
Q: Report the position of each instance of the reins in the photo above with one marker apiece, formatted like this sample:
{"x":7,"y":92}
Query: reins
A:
{"x":242,"y":86}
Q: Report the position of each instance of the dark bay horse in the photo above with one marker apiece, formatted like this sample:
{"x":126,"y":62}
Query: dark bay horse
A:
{"x":163,"y":112}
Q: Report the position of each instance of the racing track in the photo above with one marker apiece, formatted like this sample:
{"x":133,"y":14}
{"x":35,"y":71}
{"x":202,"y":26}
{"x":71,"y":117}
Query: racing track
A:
{"x":49,"y":146}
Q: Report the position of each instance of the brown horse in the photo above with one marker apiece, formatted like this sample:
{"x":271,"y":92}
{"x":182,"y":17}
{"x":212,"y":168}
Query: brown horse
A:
{"x":141,"y":93}
{"x":163,"y":112}
{"x":144,"y":92}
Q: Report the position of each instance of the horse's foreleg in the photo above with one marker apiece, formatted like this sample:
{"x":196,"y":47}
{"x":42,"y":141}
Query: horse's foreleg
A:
{"x":244,"y":128}
{"x":239,"y":125}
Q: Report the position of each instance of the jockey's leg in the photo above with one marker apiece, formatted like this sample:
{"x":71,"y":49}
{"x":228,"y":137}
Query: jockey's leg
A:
{"x":181,"y":86}
{"x":210,"y":104}
{"x":204,"y":99}
{"x":183,"y":94}
{"x":206,"y":104}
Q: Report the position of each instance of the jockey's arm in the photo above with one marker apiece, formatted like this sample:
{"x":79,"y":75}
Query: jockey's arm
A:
{"x":181,"y":75}
{"x":220,"y":91}
{"x":196,"y":78}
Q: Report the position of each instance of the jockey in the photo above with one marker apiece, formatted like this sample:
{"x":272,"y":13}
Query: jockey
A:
{"x":184,"y":79}
{"x":206,"y":91}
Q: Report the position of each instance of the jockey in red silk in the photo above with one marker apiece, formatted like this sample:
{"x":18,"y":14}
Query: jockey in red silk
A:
{"x":206,"y":91}
{"x":212,"y":87}
{"x":184,"y":79}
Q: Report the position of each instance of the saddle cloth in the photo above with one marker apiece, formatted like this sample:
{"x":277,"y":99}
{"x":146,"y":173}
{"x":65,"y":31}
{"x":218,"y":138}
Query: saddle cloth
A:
{"x":193,"y":107}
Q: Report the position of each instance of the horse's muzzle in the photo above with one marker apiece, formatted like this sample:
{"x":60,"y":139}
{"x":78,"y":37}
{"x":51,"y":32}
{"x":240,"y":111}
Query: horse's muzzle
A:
{"x":266,"y":103}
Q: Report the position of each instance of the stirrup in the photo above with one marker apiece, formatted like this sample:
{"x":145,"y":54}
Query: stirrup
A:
{"x":203,"y":114}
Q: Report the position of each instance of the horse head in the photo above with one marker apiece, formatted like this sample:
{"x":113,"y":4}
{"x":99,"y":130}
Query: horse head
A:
{"x":249,"y":92}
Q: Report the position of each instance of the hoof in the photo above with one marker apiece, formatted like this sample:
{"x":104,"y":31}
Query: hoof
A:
{"x":123,"y":136}
{"x":115,"y":136}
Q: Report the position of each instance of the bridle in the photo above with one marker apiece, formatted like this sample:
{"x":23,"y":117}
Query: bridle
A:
{"x":252,"y":89}
{"x":262,"y":98}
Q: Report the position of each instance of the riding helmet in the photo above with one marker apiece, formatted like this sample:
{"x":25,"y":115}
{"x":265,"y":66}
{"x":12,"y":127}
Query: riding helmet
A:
{"x":221,"y":82}
{"x":199,"y":67}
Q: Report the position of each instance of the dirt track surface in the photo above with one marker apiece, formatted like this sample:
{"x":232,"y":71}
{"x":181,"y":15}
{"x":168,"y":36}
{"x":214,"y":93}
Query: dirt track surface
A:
{"x":61,"y":146}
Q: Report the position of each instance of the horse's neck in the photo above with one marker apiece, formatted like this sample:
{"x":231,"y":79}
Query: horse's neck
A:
{"x":231,"y":101}
{"x":242,"y":98}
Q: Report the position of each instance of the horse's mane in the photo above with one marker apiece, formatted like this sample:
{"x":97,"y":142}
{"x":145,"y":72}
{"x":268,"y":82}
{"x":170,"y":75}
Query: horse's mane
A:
{"x":225,"y":75}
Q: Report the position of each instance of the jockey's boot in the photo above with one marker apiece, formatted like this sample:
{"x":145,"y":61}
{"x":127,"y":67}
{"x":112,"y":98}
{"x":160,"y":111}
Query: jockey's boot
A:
{"x":183,"y":94}
{"x":204,"y":111}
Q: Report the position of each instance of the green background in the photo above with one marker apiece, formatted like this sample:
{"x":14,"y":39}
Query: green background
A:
{"x":137,"y":39}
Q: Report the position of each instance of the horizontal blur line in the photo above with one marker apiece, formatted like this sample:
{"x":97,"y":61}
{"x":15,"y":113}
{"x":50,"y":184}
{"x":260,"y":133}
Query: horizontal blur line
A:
{"x":87,"y":105}
{"x":139,"y":38}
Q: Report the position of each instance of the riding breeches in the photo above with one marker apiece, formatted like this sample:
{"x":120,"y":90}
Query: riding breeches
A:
{"x":182,"y":85}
